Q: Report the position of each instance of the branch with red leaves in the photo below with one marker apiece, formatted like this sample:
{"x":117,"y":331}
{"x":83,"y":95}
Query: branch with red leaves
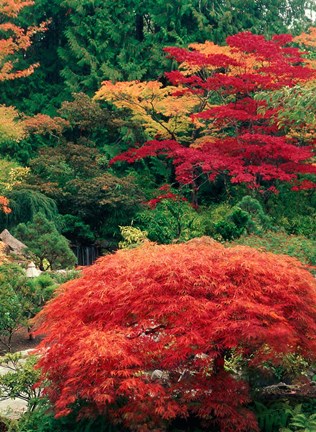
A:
{"x":239,"y":138}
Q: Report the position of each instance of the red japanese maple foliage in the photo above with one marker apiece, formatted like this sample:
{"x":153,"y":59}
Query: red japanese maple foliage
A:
{"x":235,"y":136}
{"x":167,"y":194}
{"x":143,"y":335}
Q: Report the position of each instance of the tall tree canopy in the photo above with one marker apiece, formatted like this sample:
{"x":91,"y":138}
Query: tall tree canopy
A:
{"x":124,"y":40}
{"x":144,"y":335}
{"x":92,"y":40}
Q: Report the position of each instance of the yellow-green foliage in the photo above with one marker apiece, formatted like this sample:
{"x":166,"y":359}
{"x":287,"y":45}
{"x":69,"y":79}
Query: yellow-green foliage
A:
{"x":11,"y":175}
{"x":281,"y":243}
{"x":152,"y":106}
{"x":132,"y":237}
{"x":11,"y":129}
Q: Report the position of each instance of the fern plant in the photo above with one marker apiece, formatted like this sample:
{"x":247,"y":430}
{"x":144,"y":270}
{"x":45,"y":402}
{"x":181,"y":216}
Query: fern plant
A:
{"x":300,"y":421}
{"x":272,"y":417}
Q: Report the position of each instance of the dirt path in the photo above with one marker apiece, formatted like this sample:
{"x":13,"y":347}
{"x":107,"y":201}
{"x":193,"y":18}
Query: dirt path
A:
{"x":21,"y":342}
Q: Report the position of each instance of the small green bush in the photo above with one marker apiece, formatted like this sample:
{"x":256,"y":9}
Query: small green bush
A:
{"x":296,"y":246}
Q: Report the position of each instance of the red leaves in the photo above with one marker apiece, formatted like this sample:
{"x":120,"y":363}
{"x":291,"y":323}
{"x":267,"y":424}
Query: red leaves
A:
{"x":152,"y":324}
{"x":151,"y":148}
{"x":196,"y":58}
{"x":168,"y":195}
{"x":275,"y":50}
{"x":239,"y":138}
{"x":304,"y":185}
{"x":245,"y":159}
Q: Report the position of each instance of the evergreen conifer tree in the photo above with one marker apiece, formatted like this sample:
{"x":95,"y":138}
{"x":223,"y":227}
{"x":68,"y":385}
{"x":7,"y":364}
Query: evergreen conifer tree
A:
{"x":123,"y":40}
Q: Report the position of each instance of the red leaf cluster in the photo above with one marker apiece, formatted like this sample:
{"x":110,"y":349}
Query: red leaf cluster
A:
{"x":142,"y":336}
{"x":167,"y":195}
{"x":241,"y":139}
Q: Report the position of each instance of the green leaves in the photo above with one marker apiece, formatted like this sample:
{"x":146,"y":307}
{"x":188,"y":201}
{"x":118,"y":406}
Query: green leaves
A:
{"x":20,"y":379}
{"x":297,"y":116}
{"x":273,"y":416}
{"x":12,"y":277}
{"x":132,"y":237}
{"x":46,"y":243}
{"x":20,"y":299}
{"x":300,"y":421}
{"x":170,"y":221}
{"x":26,"y":203}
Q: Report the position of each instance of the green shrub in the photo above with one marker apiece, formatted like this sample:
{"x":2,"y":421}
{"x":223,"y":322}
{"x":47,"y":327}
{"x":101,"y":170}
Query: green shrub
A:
{"x":21,"y":298}
{"x":19,"y":381}
{"x":42,"y":420}
{"x":296,"y":246}
{"x":132,"y":237}
{"x":272,"y":416}
{"x":12,"y":277}
{"x":169,"y":221}
{"x":281,"y":416}
{"x":46,"y":243}
{"x":246,"y":217}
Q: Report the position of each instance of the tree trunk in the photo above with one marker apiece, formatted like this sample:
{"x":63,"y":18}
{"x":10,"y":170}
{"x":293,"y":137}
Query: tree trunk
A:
{"x":139,"y":27}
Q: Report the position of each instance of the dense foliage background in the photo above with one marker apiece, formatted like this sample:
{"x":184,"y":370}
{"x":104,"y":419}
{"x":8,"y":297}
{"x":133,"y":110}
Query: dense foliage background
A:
{"x":128,"y":121}
{"x":56,"y":141}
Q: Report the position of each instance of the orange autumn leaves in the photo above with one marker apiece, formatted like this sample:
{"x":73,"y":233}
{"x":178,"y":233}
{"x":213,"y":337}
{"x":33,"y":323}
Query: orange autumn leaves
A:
{"x":12,"y":8}
{"x":16,"y":39}
{"x":307,"y":39}
{"x":4,"y":205}
{"x":245,"y":63}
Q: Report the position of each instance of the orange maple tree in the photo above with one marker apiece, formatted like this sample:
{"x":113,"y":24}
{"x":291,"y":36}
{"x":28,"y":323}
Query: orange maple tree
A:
{"x":4,"y":205}
{"x":14,"y":39}
{"x":307,"y":39}
{"x":144,"y":335}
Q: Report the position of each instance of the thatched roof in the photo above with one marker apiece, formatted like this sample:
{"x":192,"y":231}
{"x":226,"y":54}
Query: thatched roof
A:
{"x":14,"y":244}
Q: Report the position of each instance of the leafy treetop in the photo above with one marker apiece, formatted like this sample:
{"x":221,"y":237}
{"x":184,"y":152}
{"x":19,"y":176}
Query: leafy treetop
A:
{"x":146,"y":332}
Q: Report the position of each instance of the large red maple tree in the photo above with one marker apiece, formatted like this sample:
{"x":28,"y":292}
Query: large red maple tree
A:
{"x":144,"y":335}
{"x":208,"y":121}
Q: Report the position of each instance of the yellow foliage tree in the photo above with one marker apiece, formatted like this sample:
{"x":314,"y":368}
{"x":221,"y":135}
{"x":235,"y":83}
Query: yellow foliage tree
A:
{"x":11,"y":129}
{"x":153,"y":106}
